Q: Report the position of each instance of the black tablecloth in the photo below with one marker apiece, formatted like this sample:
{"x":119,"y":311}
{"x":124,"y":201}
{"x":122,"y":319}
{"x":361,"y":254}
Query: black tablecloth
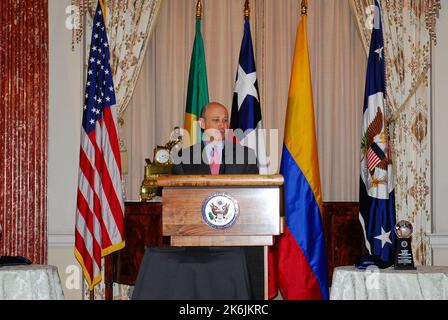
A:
{"x":200,"y":273}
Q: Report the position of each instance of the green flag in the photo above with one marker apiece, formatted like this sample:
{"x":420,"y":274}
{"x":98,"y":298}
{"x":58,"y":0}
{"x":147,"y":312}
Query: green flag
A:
{"x":197,"y":95}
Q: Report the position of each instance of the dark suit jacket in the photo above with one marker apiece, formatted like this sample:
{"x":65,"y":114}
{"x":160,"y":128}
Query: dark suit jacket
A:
{"x":235,"y":159}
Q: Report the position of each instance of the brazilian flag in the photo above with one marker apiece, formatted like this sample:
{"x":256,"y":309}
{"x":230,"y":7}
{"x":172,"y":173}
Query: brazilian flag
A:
{"x":197,"y":95}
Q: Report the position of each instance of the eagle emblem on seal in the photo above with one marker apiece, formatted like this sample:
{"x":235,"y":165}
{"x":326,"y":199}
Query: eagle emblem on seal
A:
{"x":375,"y":148}
{"x":220,"y":210}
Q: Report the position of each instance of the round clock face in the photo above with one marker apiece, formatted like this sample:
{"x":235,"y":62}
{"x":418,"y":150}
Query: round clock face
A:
{"x":162,"y":156}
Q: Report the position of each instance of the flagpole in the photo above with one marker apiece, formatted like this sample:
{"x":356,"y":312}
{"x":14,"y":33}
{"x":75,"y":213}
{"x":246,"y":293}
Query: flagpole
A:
{"x":199,"y":10}
{"x":304,"y":7}
{"x":246,"y":10}
{"x":103,"y":8}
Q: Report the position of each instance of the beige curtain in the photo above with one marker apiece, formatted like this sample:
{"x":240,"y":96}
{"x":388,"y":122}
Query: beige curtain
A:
{"x":130,"y":24}
{"x":129,"y":28}
{"x":338,"y":72}
{"x":158,"y":104}
{"x":407,"y":53}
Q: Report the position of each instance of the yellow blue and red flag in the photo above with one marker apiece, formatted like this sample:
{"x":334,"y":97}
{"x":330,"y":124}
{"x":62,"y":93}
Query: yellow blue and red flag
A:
{"x":301,"y":261}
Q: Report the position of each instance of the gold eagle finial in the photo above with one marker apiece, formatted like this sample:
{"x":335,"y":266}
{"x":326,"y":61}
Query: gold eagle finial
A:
{"x":304,"y":7}
{"x":246,"y":10}
{"x":199,"y":10}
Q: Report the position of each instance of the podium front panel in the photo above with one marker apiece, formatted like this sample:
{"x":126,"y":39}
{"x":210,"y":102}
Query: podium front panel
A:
{"x":258,"y":212}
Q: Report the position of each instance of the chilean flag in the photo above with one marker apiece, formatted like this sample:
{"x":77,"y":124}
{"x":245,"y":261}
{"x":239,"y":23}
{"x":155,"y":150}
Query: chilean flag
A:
{"x":246,"y":119}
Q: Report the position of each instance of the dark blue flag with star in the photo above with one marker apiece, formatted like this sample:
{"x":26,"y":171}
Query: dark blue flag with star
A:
{"x":246,"y":111}
{"x":376,"y":194}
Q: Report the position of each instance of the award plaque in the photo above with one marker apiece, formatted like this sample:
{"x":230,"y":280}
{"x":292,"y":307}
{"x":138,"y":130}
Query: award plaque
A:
{"x":404,"y":259}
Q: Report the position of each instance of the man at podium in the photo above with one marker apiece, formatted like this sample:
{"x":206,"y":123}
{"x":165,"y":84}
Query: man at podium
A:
{"x":214,"y":154}
{"x":206,"y":273}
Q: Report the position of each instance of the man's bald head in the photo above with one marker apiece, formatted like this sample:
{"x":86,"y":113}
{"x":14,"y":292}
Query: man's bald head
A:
{"x":215,"y":121}
{"x":213,"y":106}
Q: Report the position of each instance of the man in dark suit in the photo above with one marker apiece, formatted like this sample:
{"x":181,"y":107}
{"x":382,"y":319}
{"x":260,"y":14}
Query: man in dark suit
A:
{"x":232,"y":158}
{"x":206,"y":272}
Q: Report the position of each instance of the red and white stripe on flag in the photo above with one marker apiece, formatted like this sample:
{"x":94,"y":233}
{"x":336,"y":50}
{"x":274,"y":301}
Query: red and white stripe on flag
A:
{"x":372,"y":159}
{"x":100,"y":205}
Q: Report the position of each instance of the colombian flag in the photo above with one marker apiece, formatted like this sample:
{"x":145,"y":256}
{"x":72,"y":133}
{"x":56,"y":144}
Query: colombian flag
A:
{"x":197,"y":95}
{"x":299,"y":265}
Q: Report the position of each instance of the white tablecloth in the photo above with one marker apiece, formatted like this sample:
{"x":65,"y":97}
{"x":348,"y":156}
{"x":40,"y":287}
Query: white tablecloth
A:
{"x":425,"y":283}
{"x":31,"y":282}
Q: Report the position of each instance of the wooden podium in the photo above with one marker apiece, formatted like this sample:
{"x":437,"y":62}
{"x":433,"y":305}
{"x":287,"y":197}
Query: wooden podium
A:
{"x":257,"y":197}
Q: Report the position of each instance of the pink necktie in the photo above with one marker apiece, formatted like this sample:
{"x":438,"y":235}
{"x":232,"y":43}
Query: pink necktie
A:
{"x":214,"y":162}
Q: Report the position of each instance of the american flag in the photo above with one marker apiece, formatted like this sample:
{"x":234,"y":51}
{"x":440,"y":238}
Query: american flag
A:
{"x":374,"y":156}
{"x":100,"y":204}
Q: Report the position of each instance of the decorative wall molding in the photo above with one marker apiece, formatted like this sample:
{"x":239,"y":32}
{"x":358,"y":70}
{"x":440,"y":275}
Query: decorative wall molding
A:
{"x":61,"y":240}
{"x":438,"y":240}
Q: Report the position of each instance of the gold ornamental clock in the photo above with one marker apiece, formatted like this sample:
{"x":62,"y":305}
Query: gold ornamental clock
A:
{"x":162,"y":156}
{"x":161,"y":164}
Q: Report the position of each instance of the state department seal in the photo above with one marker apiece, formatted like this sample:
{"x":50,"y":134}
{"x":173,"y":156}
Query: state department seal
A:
{"x":220,"y":210}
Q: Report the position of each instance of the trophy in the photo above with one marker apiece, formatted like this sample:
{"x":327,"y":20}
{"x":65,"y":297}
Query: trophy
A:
{"x":404,"y":259}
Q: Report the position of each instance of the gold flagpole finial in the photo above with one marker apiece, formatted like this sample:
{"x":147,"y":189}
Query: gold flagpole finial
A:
{"x":199,"y":10}
{"x":246,"y":10}
{"x":304,"y":7}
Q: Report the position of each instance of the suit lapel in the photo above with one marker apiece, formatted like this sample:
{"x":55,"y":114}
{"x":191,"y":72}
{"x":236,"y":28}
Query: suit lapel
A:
{"x":227,"y":161}
{"x":222,"y":166}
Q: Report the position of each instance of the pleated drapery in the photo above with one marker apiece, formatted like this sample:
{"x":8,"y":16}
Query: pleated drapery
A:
{"x":338,"y":66}
{"x":23,"y":128}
